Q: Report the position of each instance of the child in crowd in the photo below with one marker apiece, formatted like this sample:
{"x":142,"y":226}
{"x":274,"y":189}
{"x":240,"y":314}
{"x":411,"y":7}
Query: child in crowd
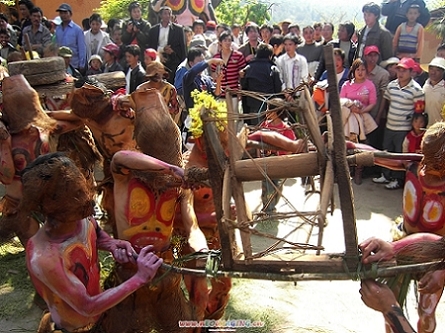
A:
{"x":408,"y":38}
{"x":150,"y":55}
{"x":95,"y":65}
{"x":275,"y":121}
{"x":412,"y":141}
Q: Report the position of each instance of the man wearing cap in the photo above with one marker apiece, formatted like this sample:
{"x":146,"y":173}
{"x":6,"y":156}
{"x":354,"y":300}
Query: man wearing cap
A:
{"x":69,"y":34}
{"x":380,"y":78}
{"x":95,"y":38}
{"x":66,"y":53}
{"x":404,"y":96}
{"x":390,"y":65}
{"x":434,"y":89}
{"x":39,"y":35}
{"x":373,"y":33}
{"x":111,"y":56}
{"x":169,"y":40}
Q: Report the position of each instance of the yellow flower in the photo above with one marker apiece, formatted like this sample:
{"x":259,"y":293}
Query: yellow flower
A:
{"x":216,"y":110}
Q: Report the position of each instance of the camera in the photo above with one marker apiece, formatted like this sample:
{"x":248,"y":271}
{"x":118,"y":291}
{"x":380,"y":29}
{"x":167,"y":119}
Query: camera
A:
{"x":137,"y":24}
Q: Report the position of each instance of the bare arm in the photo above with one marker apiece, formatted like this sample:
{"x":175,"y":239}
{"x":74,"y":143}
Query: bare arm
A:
{"x":65,"y":115}
{"x":420,"y":42}
{"x":196,"y":237}
{"x":395,"y":40}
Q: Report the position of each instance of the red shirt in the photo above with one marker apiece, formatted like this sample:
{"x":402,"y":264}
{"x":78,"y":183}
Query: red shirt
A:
{"x":283,"y":129}
{"x":231,"y":70}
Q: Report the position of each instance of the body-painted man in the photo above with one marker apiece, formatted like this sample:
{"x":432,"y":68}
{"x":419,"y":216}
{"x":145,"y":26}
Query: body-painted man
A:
{"x":62,"y":257}
{"x":423,"y":212}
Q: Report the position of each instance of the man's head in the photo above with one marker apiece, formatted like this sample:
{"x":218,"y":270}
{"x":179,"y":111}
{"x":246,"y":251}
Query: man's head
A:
{"x":3,"y":21}
{"x":111,"y":49}
{"x":225,"y":40}
{"x":65,"y":12}
{"x":327,"y":31}
{"x":276,"y":29}
{"x":318,"y":26}
{"x":165,"y":14}
{"x":371,"y":54}
{"x":308,"y":34}
{"x":436,"y":69}
{"x":236,"y":29}
{"x":36,"y":16}
{"x":132,"y":55}
{"x":277,"y":43}
{"x":4,"y":37}
{"x":264,"y":51}
{"x":440,"y":51}
{"x":404,"y":70}
{"x":25,"y":7}
{"x":194,"y":56}
{"x":211,"y":25}
{"x":345,"y":31}
{"x":266,"y":32}
{"x":198,"y":27}
{"x":252,"y":32}
{"x":291,"y":42}
{"x":95,"y":23}
{"x":50,"y":183}
{"x":371,"y":13}
{"x":294,"y":28}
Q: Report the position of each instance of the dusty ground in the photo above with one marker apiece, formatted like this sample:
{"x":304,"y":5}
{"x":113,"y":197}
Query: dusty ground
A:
{"x":322,"y":307}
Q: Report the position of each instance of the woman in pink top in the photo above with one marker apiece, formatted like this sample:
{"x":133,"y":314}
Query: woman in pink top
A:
{"x":358,"y":96}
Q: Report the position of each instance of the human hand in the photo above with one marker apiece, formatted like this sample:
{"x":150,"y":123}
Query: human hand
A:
{"x":123,"y":252}
{"x":355,"y":109}
{"x":432,"y":282}
{"x":377,"y":296}
{"x":249,"y":57}
{"x":148,"y":263}
{"x":215,"y":61}
{"x":168,"y":49}
{"x":375,"y":249}
{"x":130,"y":27}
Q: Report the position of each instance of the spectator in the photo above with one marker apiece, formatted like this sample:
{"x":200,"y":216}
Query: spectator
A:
{"x":136,"y":73}
{"x":24,"y":6}
{"x":317,"y":32}
{"x":188,"y":33}
{"x":233,"y":62}
{"x":345,"y":32}
{"x":327,"y":32}
{"x":86,"y":24}
{"x":71,"y":35}
{"x":261,"y":75}
{"x":294,"y":29}
{"x":380,"y":78}
{"x":277,"y":30}
{"x":285,"y":26}
{"x":373,"y":33}
{"x":94,"y":65}
{"x":95,"y":38}
{"x":413,"y":140}
{"x":169,"y":41}
{"x":66,"y":53}
{"x":434,"y":89}
{"x":248,"y":49}
{"x":391,"y":66}
{"x":237,"y":38}
{"x":293,"y":67}
{"x":396,"y":10}
{"x":210,"y":33}
{"x":215,"y":47}
{"x":150,"y":55}
{"x":135,"y":30}
{"x":408,"y":39}
{"x":266,"y":32}
{"x":404,"y":96}
{"x":311,"y":50}
{"x":198,"y":27}
{"x":39,"y":35}
{"x":6,"y":26}
{"x":6,"y":46}
{"x":111,"y":55}
{"x":277,"y":43}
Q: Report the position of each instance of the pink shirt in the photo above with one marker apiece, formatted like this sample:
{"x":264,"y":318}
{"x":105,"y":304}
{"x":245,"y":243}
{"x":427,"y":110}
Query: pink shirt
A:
{"x":364,"y":92}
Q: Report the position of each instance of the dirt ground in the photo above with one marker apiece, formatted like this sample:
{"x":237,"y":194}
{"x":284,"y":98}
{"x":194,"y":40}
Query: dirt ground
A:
{"x":306,"y":306}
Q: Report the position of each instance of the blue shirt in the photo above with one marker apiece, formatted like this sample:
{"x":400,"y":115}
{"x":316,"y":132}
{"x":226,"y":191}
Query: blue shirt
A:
{"x":72,"y":36}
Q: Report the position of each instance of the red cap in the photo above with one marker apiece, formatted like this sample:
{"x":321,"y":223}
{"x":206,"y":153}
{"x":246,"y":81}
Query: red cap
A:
{"x":407,"y":63}
{"x":371,"y":48}
{"x":112,"y":48}
{"x":151,"y":53}
{"x":211,"y":24}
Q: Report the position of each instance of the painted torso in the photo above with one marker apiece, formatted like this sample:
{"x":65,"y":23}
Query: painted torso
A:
{"x":74,"y":258}
{"x":424,"y":203}
{"x":145,"y":216}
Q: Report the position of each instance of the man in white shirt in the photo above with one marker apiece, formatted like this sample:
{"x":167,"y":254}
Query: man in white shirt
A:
{"x":434,"y":90}
{"x":95,"y":38}
{"x":293,"y":67}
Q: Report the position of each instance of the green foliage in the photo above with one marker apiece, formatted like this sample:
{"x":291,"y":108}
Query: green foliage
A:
{"x":119,"y":8}
{"x":8,"y":2}
{"x":235,"y":11}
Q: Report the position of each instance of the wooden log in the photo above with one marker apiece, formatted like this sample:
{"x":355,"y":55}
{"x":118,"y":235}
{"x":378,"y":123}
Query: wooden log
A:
{"x":112,"y":81}
{"x":40,"y":71}
{"x":277,"y":167}
{"x":341,"y":166}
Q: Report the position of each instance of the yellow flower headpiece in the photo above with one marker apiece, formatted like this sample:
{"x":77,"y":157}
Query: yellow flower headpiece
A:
{"x":217,"y":110}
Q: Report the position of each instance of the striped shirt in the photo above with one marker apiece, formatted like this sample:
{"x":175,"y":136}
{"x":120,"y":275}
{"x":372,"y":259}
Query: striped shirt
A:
{"x":231,"y":70}
{"x":408,"y":40}
{"x":402,"y":104}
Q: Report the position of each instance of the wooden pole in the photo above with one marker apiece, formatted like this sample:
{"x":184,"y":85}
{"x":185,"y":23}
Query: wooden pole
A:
{"x":341,"y":166}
